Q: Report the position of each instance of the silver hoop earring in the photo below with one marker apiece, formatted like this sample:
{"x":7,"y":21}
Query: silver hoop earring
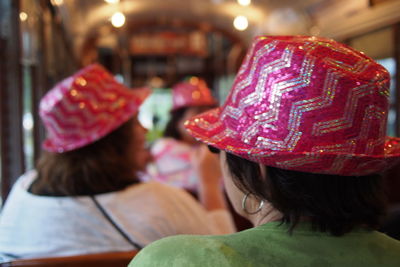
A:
{"x":244,"y":208}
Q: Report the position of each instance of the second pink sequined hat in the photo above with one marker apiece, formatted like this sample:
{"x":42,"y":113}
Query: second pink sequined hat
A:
{"x":85,"y":107}
{"x":306,"y":104}
{"x":193,"y":92}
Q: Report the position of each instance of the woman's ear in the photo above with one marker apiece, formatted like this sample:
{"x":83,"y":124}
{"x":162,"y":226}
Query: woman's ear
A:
{"x":263,"y":171}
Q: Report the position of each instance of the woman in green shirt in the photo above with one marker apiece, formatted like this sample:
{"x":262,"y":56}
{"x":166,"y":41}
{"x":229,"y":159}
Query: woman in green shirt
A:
{"x":301,"y":139}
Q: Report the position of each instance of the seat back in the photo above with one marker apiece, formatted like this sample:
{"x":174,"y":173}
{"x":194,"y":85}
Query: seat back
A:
{"x":114,"y":259}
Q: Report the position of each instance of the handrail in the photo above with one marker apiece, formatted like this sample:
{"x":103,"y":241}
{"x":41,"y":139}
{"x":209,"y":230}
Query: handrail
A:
{"x":115,"y":259}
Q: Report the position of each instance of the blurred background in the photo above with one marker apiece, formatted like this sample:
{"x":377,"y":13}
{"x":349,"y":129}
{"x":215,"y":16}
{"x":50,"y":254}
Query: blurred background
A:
{"x":157,"y":43}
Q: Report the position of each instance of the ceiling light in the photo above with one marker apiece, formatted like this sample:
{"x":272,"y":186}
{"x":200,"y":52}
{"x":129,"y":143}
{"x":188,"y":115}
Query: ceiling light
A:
{"x":112,"y":1}
{"x":57,"y":2}
{"x":244,"y":2}
{"x":23,"y":16}
{"x":241,"y":23}
{"x":118,"y":20}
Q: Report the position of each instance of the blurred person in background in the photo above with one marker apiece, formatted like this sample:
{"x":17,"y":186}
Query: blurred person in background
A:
{"x":175,"y":155}
{"x":84,"y":196}
{"x":301,"y":139}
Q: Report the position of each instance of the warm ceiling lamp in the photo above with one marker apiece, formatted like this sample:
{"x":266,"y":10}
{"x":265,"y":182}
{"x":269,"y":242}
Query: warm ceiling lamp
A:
{"x":244,"y":2}
{"x":23,"y":16}
{"x":112,"y":1}
{"x":57,"y":2}
{"x":241,"y":23}
{"x":118,"y":20}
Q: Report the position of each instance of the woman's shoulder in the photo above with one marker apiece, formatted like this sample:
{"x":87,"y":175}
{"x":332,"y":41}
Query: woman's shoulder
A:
{"x":25,"y":180}
{"x":21,"y":186}
{"x":152,"y":191}
{"x":237,"y":249}
{"x":153,"y":187}
{"x":190,"y":250}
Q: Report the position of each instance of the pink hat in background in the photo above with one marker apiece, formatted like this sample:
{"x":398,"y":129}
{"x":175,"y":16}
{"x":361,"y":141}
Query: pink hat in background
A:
{"x":193,"y":92}
{"x":306,"y":104}
{"x":85,"y":107}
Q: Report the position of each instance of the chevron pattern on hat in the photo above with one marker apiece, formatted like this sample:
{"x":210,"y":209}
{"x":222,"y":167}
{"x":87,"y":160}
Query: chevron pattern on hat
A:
{"x":85,"y":107}
{"x":305,"y":103}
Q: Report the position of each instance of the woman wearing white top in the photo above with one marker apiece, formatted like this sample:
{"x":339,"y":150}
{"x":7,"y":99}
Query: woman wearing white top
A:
{"x":84,"y":196}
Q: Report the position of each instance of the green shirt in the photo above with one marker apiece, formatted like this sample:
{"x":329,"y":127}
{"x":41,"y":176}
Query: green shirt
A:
{"x":271,"y":245}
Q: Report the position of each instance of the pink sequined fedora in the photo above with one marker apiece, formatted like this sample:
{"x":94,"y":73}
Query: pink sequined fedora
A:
{"x":85,"y":107}
{"x":306,"y":104}
{"x":193,"y":92}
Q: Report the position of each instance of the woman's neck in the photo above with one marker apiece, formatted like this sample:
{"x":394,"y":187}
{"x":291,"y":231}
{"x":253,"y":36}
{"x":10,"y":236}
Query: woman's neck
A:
{"x":266,"y":214}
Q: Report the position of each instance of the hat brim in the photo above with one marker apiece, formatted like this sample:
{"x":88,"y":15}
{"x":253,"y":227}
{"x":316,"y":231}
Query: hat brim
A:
{"x":135,"y":98}
{"x":208,"y":128}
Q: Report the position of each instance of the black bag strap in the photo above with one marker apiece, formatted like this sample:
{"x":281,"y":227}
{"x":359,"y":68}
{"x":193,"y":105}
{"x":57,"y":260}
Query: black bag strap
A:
{"x":107,"y":216}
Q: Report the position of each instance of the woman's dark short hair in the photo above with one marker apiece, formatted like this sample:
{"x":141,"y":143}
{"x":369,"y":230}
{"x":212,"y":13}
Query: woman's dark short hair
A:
{"x":172,"y":129}
{"x":104,"y":166}
{"x":332,"y":203}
